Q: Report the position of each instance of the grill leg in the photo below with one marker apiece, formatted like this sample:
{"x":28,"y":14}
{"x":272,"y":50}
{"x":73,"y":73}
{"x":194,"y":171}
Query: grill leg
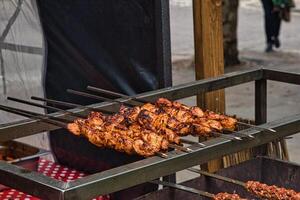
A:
{"x":260,"y":111}
{"x":260,"y":101}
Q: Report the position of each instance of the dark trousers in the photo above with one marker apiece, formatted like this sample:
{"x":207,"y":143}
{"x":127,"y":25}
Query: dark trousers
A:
{"x":272,"y":21}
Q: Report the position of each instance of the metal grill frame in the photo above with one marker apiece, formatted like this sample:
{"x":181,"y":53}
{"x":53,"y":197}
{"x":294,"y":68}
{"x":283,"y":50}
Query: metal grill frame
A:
{"x":151,"y":168}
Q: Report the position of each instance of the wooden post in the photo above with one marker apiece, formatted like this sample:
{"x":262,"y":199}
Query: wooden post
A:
{"x":209,"y":55}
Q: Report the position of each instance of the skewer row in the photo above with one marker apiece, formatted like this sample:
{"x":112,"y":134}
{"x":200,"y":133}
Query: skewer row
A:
{"x":114,"y":94}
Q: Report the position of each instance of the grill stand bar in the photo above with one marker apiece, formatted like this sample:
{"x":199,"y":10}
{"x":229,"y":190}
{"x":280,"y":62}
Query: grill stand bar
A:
{"x":183,"y":188}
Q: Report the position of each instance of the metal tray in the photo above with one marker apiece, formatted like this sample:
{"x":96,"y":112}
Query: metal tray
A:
{"x":263,"y":169}
{"x":21,"y":154}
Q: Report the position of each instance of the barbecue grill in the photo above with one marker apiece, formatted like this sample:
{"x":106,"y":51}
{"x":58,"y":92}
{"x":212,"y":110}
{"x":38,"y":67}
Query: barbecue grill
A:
{"x":153,"y":167}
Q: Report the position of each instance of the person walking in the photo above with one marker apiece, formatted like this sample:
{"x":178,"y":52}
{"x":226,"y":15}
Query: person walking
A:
{"x":274,"y":12}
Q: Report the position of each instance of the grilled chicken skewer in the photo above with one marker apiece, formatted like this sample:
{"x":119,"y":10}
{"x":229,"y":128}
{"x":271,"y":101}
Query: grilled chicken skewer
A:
{"x":97,"y":121}
{"x":147,"y":145}
{"x":55,"y":102}
{"x":81,"y":116}
{"x":180,"y":106}
{"x":260,"y":190}
{"x":114,"y":123}
{"x":143,"y":142}
{"x":161,"y":121}
{"x":228,"y":123}
{"x":140,"y":100}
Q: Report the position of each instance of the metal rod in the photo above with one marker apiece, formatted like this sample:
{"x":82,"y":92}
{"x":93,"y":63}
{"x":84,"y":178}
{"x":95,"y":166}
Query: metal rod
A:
{"x":45,"y":106}
{"x":38,"y":114}
{"x":192,"y":142}
{"x":70,"y":105}
{"x":240,"y":134}
{"x":183,"y":188}
{"x":257,"y":127}
{"x":115,"y":94}
{"x":181,"y":148}
{"x":230,"y":137}
{"x":161,"y":154}
{"x":28,"y":114}
{"x":84,"y":94}
{"x":216,"y":176}
{"x":103,"y":91}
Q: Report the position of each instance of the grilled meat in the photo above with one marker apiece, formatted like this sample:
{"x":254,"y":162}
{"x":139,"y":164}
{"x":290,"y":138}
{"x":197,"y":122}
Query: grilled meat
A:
{"x":227,"y":196}
{"x":271,"y":192}
{"x":149,"y":128}
{"x":132,"y":140}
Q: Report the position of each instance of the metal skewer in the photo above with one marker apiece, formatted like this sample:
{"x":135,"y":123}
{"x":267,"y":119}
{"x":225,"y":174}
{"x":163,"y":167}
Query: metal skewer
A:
{"x":216,"y":176}
{"x":45,"y":106}
{"x":43,"y":118}
{"x":70,"y":105}
{"x":84,"y":94}
{"x":192,"y":142}
{"x":230,"y":137}
{"x":257,"y":127}
{"x":183,"y":188}
{"x":161,"y":154}
{"x":240,"y":134}
{"x":115,"y":94}
{"x":181,"y":148}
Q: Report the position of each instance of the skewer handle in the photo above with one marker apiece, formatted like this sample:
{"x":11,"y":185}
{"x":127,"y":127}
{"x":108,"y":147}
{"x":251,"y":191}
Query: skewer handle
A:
{"x":103,"y":91}
{"x":257,"y":127}
{"x":24,"y":113}
{"x":84,"y":94}
{"x":229,"y":137}
{"x":115,"y":94}
{"x":181,"y":148}
{"x":56,"y":102}
{"x":240,"y":134}
{"x":45,"y":106}
{"x":163,"y":155}
{"x":70,"y":105}
{"x":192,"y":142}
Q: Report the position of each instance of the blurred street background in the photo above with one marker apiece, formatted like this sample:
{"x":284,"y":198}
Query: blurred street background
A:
{"x":283,"y":99}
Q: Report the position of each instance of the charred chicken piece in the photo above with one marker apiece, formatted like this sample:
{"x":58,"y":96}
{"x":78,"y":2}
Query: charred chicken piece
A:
{"x":157,"y":123}
{"x":228,"y":123}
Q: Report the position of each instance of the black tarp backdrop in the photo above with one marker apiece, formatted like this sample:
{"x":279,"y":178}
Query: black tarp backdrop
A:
{"x":117,"y":45}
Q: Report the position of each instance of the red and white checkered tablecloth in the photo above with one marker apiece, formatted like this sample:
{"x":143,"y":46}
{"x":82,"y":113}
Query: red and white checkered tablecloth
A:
{"x":50,"y":169}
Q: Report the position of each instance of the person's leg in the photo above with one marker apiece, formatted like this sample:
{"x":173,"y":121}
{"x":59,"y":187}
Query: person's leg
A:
{"x":276,"y":28}
{"x":268,"y":7}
